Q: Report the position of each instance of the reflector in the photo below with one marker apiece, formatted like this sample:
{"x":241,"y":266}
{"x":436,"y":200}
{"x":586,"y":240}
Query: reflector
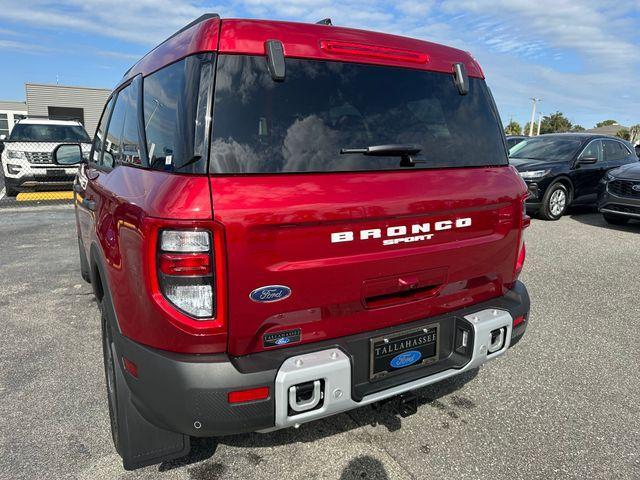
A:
{"x":517,"y":321}
{"x":250,"y":395}
{"x":185,"y":265}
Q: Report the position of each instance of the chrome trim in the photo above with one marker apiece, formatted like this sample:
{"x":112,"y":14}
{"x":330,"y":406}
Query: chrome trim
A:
{"x":624,"y":214}
{"x":600,"y":152}
{"x":334,"y":367}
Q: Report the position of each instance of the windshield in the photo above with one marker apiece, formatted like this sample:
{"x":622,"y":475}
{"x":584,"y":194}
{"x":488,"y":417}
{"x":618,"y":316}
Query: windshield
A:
{"x":546,"y":148}
{"x":30,"y":132}
{"x":302,"y":123}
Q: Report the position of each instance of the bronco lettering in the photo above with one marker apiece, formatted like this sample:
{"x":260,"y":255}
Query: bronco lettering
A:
{"x":401,"y":230}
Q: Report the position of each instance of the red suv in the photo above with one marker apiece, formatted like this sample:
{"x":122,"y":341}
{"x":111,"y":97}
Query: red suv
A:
{"x":284,"y":221}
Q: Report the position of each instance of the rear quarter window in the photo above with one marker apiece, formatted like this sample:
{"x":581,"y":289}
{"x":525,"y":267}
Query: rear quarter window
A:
{"x":176,"y":103}
{"x":300,"y":124}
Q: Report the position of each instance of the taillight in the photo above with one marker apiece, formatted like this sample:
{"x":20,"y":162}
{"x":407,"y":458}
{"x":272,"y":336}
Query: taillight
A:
{"x":521,"y":257}
{"x":526,"y":219}
{"x":522,"y":253}
{"x":186,"y":273}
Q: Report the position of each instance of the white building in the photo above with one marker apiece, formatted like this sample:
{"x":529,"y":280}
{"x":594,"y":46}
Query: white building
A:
{"x":57,"y":102}
{"x":10,"y":113}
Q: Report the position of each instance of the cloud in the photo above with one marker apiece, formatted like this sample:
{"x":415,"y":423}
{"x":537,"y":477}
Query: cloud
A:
{"x":121,"y":55}
{"x":24,"y":47}
{"x":140,"y":21}
{"x":582,"y":57}
{"x":598,"y":31}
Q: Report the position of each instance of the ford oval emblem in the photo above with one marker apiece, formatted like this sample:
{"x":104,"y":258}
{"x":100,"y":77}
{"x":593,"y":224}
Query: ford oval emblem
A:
{"x":270,"y":293}
{"x":636,"y":187}
{"x":405,"y":359}
{"x":283,"y":341}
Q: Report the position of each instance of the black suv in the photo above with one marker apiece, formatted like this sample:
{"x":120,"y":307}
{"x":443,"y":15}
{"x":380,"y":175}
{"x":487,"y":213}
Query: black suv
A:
{"x":565,"y":168}
{"x":619,"y":195}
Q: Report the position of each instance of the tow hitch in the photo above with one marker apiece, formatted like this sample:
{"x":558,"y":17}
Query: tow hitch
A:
{"x":407,"y":404}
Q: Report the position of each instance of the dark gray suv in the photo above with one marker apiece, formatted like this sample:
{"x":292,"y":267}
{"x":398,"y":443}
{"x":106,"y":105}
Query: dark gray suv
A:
{"x":619,"y":194}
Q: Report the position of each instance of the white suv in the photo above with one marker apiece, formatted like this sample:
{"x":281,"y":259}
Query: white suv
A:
{"x":26,"y":157}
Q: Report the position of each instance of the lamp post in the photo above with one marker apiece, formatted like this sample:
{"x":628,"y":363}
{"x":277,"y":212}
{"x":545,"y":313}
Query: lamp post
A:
{"x":533,"y":114}
{"x":539,"y":122}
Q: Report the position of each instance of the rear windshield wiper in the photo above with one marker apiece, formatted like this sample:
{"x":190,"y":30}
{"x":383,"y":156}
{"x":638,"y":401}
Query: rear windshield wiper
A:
{"x":404,"y":151}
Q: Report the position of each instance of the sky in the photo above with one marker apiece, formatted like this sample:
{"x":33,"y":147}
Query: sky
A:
{"x":582,"y":57}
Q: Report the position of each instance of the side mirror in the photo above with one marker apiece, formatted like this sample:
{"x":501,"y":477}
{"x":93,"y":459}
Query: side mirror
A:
{"x":587,"y":160}
{"x":67,"y":154}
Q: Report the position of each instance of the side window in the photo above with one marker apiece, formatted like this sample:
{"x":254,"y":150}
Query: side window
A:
{"x":122,"y":145}
{"x":130,"y":153}
{"x":98,"y":141}
{"x":176,"y":118}
{"x":615,"y":151}
{"x":594,"y":149}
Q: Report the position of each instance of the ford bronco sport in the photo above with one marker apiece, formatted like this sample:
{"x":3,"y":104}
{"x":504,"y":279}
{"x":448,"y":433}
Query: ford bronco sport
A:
{"x":284,"y":221}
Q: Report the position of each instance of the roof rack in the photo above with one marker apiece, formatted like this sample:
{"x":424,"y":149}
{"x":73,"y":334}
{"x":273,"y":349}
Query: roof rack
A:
{"x":324,"y":21}
{"x":200,"y":19}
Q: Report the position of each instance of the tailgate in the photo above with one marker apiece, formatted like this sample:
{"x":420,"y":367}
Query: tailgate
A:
{"x":362,"y":251}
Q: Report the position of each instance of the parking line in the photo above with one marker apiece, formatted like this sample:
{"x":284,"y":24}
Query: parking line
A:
{"x":2,"y":192}
{"x":33,"y":196}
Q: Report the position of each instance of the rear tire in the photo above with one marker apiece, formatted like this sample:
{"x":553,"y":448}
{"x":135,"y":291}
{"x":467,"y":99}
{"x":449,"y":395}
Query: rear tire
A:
{"x":84,"y":264}
{"x":615,"y":219}
{"x":110,"y":377}
{"x":554,"y":202}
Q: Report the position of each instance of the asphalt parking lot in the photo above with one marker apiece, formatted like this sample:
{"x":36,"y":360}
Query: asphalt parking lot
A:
{"x":564,"y":403}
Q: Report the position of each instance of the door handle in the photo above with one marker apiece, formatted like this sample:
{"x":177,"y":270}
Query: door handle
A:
{"x":89,"y":204}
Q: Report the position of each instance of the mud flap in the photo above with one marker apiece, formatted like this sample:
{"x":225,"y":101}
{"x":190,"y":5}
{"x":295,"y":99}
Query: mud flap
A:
{"x":141,"y":443}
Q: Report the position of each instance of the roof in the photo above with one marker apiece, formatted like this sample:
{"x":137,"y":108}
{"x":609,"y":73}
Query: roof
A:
{"x":73,"y":87}
{"x":302,"y":40}
{"x":582,"y":136}
{"x":608,"y":129}
{"x":46,"y":121}
{"x":13,"y":106}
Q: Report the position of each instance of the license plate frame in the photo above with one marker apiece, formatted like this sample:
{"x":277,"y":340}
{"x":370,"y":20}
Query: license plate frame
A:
{"x":392,"y":341}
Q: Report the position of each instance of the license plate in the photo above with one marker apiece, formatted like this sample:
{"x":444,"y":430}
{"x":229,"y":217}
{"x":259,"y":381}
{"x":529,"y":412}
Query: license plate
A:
{"x":56,"y":173}
{"x":402,"y":350}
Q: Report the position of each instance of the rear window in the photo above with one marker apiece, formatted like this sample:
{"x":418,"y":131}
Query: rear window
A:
{"x":300,"y":125}
{"x":30,"y":132}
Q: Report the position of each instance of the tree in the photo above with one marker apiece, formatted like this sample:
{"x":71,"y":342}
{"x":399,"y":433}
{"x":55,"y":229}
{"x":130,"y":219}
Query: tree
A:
{"x":526,"y":128}
{"x":555,"y":123}
{"x":623,"y":133}
{"x":577,"y":128}
{"x":634,"y":134}
{"x":606,"y":123}
{"x":513,"y":128}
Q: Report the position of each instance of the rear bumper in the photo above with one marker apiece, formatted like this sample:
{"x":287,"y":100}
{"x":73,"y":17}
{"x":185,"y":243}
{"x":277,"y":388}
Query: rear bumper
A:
{"x":187,"y":394}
